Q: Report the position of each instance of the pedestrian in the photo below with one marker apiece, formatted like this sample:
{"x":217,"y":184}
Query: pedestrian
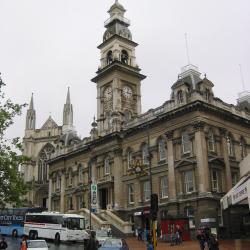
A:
{"x":150,"y":245}
{"x":3,"y":243}
{"x":178,"y":228}
{"x":201,"y":238}
{"x":213,"y":243}
{"x":24,"y":243}
{"x":92,"y":243}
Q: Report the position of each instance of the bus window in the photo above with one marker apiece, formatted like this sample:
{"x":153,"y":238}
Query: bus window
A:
{"x":75,"y":224}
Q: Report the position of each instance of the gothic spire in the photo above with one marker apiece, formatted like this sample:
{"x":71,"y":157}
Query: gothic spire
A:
{"x":68,"y":113}
{"x":31,"y":116}
{"x":68,"y":97}
{"x":31,"y":106}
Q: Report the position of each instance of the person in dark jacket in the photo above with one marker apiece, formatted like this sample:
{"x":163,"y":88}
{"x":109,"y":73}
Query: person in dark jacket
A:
{"x":213,"y":243}
{"x":3,"y":244}
{"x":92,"y":243}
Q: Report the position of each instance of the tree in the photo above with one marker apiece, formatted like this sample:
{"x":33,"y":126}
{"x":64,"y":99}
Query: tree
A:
{"x":12,"y":185}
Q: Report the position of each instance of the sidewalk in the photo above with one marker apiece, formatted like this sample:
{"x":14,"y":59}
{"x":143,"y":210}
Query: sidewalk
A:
{"x":134,"y":244}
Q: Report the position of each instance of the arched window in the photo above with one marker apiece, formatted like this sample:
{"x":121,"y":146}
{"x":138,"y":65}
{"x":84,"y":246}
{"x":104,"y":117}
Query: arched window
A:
{"x":107,"y":165}
{"x":211,"y":141}
{"x":109,"y":57}
{"x":124,"y":56}
{"x":161,"y":149}
{"x":180,"y":97}
{"x":242,"y":148}
{"x":44,"y":156}
{"x":229,"y":145}
{"x":145,"y":154}
{"x":186,"y":143}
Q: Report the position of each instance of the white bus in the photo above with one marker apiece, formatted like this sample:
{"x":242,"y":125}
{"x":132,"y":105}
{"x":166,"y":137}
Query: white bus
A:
{"x":57,"y":226}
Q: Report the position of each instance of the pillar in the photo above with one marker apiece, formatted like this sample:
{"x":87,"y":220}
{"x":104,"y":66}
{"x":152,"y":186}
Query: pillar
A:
{"x":171,"y":171}
{"x":62,"y":202}
{"x":225,"y":154}
{"x":203,"y":174}
{"x":50,"y":194}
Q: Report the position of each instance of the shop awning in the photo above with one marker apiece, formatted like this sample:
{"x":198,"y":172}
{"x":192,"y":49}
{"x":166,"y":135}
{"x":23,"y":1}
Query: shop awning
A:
{"x":239,"y":194}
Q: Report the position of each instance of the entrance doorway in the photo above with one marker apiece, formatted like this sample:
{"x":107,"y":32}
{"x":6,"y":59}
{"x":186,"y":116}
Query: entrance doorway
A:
{"x":103,"y":198}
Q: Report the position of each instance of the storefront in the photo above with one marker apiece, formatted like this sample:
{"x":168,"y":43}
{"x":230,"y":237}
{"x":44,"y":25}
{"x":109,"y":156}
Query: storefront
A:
{"x":236,"y":210}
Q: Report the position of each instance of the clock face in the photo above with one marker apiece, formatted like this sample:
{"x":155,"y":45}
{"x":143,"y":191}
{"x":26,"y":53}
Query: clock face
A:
{"x":127,"y":92}
{"x":108,"y":93}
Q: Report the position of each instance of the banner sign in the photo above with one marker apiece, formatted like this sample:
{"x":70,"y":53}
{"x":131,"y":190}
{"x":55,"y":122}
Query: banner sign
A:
{"x":240,"y":193}
{"x":93,"y":196}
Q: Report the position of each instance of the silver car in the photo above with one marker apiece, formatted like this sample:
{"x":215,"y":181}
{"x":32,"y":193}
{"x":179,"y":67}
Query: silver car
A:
{"x":37,"y":245}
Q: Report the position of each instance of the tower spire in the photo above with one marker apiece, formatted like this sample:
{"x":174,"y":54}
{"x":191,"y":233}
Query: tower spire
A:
{"x":31,"y":116}
{"x":68,"y":113}
{"x":187,"y":50}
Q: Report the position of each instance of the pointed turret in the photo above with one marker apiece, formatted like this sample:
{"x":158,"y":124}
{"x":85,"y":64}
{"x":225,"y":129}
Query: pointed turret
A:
{"x":31,"y":116}
{"x":68,"y":114}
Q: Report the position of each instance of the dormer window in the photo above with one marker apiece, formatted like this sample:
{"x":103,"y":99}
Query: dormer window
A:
{"x":124,"y":57}
{"x":207,"y":94}
{"x":109,"y":57}
{"x":180,"y":96}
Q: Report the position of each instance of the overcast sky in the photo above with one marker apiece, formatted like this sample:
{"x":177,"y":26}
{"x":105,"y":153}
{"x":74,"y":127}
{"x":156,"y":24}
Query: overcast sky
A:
{"x":48,"y":45}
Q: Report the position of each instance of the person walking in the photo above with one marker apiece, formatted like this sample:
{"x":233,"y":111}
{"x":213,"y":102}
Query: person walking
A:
{"x":92,"y":243}
{"x":201,"y":238}
{"x":213,"y":243}
{"x":24,"y":243}
{"x":3,"y":243}
{"x":150,"y":245}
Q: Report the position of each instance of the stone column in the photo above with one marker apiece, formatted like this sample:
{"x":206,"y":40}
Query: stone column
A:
{"x":225,"y":154}
{"x":50,"y":193}
{"x":62,"y":202}
{"x":203,"y":174}
{"x":118,"y":185}
{"x":171,"y":172}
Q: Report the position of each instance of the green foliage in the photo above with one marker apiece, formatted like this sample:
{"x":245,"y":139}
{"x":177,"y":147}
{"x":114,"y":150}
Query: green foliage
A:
{"x":12,"y":186}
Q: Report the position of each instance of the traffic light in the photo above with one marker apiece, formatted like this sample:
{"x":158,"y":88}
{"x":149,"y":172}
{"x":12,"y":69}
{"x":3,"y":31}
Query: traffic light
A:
{"x":154,"y":206}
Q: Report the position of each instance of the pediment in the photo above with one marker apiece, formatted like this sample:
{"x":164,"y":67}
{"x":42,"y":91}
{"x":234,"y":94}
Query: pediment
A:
{"x":216,"y":161}
{"x":49,"y":124}
{"x":185,"y":162}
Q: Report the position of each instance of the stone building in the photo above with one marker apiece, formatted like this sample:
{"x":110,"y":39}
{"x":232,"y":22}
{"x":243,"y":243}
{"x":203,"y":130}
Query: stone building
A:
{"x":39,"y":144}
{"x":188,"y":149}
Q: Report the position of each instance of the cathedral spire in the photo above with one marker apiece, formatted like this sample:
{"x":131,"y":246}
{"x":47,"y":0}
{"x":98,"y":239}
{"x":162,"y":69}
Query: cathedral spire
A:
{"x":31,"y":116}
{"x":68,"y":113}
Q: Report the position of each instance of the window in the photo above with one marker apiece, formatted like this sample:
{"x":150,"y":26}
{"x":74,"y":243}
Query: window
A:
{"x":58,"y":182}
{"x":80,"y":173}
{"x":188,"y":182}
{"x":215,"y":180}
{"x":211,"y":142}
{"x":164,"y":187}
{"x":124,"y":56}
{"x":186,"y":144}
{"x":234,"y":178}
{"x":70,"y":178}
{"x":207,"y":94}
{"x":180,"y":97}
{"x":80,"y":202}
{"x":69,"y":203}
{"x":190,"y":215}
{"x":145,"y":154}
{"x":109,"y":57}
{"x":131,"y":193}
{"x":229,"y":145}
{"x":161,"y":149}
{"x":107,"y":166}
{"x":146,"y":189}
{"x":129,"y":159}
{"x":242,"y":148}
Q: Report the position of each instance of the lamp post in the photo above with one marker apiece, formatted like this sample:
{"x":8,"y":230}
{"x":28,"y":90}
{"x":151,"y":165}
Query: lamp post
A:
{"x":90,"y":196}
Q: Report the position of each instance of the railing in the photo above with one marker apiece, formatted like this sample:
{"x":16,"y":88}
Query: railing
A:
{"x":104,"y":179}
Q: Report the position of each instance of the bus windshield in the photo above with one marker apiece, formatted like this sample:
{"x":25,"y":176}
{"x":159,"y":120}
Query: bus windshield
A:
{"x":75,"y":223}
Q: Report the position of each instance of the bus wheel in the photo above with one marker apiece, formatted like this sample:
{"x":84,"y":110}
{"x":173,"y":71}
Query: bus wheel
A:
{"x":14,"y":233}
{"x":35,"y":236}
{"x":57,"y":238}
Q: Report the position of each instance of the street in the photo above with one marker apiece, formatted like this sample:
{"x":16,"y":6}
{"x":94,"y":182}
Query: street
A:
{"x":134,"y":244}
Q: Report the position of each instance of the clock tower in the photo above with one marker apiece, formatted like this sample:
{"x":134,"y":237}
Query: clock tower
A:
{"x":118,"y":77}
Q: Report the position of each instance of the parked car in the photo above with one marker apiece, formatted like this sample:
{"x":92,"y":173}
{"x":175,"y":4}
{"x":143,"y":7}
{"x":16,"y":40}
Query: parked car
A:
{"x":114,"y":244}
{"x":37,"y":245}
{"x":101,"y":236}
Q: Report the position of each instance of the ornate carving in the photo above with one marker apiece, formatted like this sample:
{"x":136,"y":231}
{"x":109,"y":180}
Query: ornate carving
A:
{"x":169,"y":134}
{"x":198,"y":125}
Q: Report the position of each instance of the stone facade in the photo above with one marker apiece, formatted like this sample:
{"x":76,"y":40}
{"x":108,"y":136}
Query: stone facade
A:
{"x":188,"y":149}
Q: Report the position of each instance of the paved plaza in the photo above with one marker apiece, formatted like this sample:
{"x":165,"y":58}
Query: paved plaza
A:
{"x":134,"y":244}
